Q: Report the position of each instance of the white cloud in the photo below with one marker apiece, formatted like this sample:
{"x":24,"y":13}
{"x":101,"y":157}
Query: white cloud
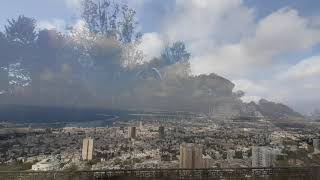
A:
{"x":306,"y":69}
{"x":301,"y":81}
{"x":57,"y":24}
{"x":74,"y":4}
{"x":79,"y":25}
{"x":230,"y":61}
{"x":283,"y":31}
{"x":297,"y":86}
{"x":257,"y":89}
{"x":315,"y":21}
{"x":247,"y":85}
{"x":207,"y":22}
{"x":212,"y":31}
{"x":249,"y":99}
{"x":151,"y":45}
{"x":226,"y":38}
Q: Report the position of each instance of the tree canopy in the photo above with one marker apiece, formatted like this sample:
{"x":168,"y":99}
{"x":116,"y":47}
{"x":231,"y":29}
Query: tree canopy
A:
{"x":99,"y":64}
{"x":21,"y":30}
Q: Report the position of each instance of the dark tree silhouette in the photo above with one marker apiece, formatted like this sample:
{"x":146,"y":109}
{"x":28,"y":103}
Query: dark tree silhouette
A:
{"x":127,"y":24}
{"x":110,"y":19}
{"x":21,"y":30}
{"x":4,"y":62}
{"x":175,"y":53}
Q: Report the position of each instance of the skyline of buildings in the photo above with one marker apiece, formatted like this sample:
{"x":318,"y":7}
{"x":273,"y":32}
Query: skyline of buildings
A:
{"x":188,"y":144}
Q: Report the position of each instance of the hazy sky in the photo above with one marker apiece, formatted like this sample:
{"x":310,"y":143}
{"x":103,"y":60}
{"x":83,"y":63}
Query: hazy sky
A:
{"x":269,"y":49}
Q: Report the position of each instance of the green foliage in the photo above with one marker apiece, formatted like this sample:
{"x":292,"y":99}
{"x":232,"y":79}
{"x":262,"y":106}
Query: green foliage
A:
{"x":136,"y":160}
{"x":4,"y":46}
{"x":175,"y":53}
{"x":127,"y":24}
{"x":127,"y":162}
{"x":106,"y":54}
{"x":21,"y":30}
{"x":165,"y":157}
{"x":93,"y":162}
{"x":175,"y":59}
{"x":18,"y":166}
{"x":98,"y":65}
{"x":250,"y":153}
{"x":117,"y":161}
{"x":4,"y":75}
{"x":110,"y":19}
{"x":72,"y":168}
{"x":89,"y":14}
{"x":238,"y":155}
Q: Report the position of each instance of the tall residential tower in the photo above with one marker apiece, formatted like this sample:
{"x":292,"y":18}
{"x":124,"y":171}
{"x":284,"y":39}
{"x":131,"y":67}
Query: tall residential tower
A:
{"x":190,"y":156}
{"x":132,"y":132}
{"x":87,"y":149}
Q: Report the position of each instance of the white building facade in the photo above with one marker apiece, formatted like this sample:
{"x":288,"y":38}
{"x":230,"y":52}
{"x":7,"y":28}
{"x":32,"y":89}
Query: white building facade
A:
{"x":316,"y":146}
{"x":46,"y":165}
{"x":262,"y":156}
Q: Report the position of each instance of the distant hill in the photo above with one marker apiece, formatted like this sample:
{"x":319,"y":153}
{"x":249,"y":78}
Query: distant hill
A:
{"x":273,"y":110}
{"x":204,"y":93}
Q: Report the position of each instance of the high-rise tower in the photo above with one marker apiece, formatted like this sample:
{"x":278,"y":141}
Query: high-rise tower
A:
{"x":261,"y":156}
{"x":132,"y":132}
{"x":87,"y":149}
{"x":190,"y":156}
{"x":316,"y":146}
{"x":161,"y":132}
